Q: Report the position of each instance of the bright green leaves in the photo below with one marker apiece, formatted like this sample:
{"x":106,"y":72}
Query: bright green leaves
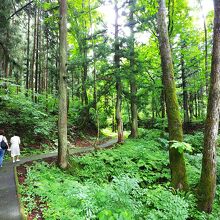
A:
{"x":181,"y":146}
{"x":165,"y":205}
{"x":109,"y":215}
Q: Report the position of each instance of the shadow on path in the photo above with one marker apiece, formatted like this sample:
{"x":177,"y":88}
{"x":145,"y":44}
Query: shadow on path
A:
{"x":9,"y":205}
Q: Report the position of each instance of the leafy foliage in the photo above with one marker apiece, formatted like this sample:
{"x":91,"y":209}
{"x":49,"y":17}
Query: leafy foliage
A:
{"x":181,"y":146}
{"x":132,"y":158}
{"x":128,"y":182}
{"x":28,"y":119}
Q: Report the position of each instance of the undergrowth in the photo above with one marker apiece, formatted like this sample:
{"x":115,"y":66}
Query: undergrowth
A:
{"x":128,"y":182}
{"x":30,"y":120}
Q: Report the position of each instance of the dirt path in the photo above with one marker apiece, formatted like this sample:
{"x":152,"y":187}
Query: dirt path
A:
{"x":9,"y":205}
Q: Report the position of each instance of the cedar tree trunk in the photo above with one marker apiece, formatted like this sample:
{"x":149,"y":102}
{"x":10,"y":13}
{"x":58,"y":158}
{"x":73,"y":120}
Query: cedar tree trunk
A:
{"x":208,"y":174}
{"x":177,"y":163}
{"x":62,"y":120}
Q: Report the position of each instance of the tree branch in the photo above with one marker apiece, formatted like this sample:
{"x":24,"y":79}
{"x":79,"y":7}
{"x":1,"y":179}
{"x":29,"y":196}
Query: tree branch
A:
{"x":20,"y":9}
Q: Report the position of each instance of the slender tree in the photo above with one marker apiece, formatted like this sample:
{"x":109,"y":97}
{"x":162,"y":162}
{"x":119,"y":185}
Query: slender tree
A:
{"x":184,"y":86}
{"x":208,"y":174}
{"x":28,"y":52}
{"x":118,"y":77}
{"x":62,"y":120}
{"x":34,"y":53}
{"x":133,"y":83}
{"x":177,"y":163}
{"x":37,"y":56}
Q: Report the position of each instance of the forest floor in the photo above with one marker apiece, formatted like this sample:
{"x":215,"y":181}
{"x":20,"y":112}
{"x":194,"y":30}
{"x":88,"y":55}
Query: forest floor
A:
{"x":10,"y":209}
{"x":119,"y":183}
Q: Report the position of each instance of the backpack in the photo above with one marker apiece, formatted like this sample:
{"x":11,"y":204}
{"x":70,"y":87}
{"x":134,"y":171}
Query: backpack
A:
{"x":3,"y":145}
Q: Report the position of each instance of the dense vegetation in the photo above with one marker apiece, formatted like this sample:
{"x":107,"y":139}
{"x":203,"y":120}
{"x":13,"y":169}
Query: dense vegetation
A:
{"x":71,"y":68}
{"x":128,"y":182}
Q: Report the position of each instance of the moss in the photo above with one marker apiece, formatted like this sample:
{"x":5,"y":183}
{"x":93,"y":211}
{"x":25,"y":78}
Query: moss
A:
{"x":177,"y":163}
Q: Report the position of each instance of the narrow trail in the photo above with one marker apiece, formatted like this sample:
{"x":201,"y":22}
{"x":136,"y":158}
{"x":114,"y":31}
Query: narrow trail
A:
{"x":9,"y":204}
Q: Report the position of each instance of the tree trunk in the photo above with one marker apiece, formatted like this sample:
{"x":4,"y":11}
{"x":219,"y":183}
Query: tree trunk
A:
{"x":10,"y":69}
{"x":162,"y":103}
{"x":6,"y":65}
{"x":28,"y":53}
{"x":133,"y":84}
{"x":113,"y":115}
{"x":196,"y":104}
{"x":85,"y":67}
{"x":62,"y":119}
{"x":37,"y":57}
{"x":205,"y":49}
{"x":118,"y":79}
{"x":40,"y":52}
{"x":94,"y":76}
{"x":47,"y":68}
{"x":33,"y":54}
{"x":208,"y":174}
{"x":177,"y":163}
{"x":191,"y":108}
{"x":184,"y":87}
{"x":84,"y":77}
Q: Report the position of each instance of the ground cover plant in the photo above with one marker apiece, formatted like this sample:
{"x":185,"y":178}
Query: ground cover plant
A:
{"x":130,"y":181}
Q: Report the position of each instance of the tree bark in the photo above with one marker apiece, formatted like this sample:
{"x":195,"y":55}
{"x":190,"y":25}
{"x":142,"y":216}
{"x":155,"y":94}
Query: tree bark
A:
{"x":191,"y":107}
{"x":37,"y":57}
{"x":47,"y":67}
{"x":33,"y":54}
{"x":28,"y":53}
{"x":6,"y":65}
{"x":133,"y":84}
{"x":62,"y":119}
{"x":208,"y":174}
{"x":184,"y":87}
{"x":205,"y":49}
{"x":177,"y":163}
{"x":94,"y":75}
{"x":118,"y":78}
{"x":162,"y":103}
{"x":40,"y":52}
{"x":85,"y":65}
{"x":84,"y":76}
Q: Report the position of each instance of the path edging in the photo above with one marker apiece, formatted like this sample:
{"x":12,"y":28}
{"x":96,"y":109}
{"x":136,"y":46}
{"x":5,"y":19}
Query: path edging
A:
{"x":21,"y":207}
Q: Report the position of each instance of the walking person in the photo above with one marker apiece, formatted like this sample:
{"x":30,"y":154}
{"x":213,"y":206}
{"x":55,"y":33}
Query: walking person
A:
{"x":15,"y":149}
{"x":3,"y":146}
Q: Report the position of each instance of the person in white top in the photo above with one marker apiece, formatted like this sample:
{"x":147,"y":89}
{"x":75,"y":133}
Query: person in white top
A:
{"x":2,"y":151}
{"x":15,"y":149}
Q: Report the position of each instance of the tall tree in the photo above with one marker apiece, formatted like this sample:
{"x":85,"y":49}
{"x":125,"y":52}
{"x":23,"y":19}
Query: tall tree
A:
{"x":177,"y":163}
{"x":37,"y":55}
{"x":133,"y":83}
{"x":34,"y":53}
{"x":62,"y":120}
{"x":206,"y":47}
{"x":208,"y":174}
{"x":118,"y":77}
{"x":28,"y":52}
{"x":184,"y":86}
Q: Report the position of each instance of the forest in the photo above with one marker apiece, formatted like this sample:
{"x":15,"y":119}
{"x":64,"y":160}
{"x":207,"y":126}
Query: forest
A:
{"x":116,"y":103}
